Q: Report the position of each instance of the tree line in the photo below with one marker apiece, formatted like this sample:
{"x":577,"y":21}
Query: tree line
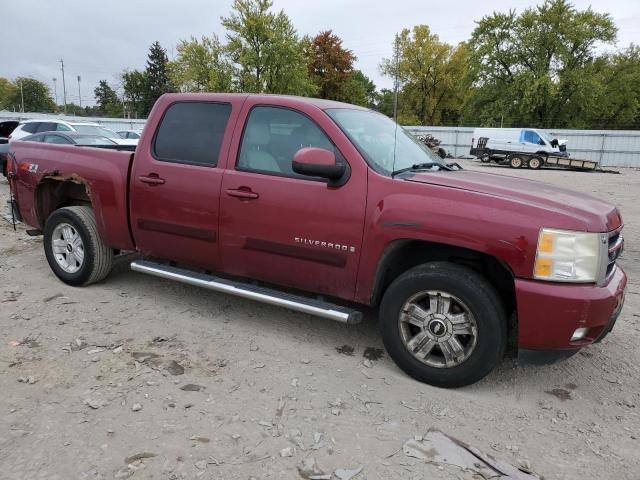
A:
{"x":550,"y":66}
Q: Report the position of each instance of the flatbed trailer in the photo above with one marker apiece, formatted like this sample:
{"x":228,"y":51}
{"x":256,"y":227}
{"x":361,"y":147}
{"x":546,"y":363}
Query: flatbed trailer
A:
{"x":536,"y":160}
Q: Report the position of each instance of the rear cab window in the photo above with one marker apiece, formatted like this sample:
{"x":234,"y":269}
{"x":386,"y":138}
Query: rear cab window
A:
{"x":191,"y":133}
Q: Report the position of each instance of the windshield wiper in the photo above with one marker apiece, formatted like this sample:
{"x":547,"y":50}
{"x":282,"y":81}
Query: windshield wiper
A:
{"x":422,"y":166}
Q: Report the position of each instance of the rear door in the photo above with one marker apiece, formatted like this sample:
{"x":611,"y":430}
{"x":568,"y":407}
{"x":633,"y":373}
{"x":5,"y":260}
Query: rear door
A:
{"x":284,"y":228}
{"x":175,"y":182}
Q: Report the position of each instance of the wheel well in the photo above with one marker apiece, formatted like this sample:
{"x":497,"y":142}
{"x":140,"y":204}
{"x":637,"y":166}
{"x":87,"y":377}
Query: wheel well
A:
{"x":54,"y":193}
{"x":403,"y":255}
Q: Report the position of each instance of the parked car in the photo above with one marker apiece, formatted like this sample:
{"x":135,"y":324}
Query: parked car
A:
{"x":29,"y":127}
{"x":4,"y":149}
{"x":333,"y":200}
{"x":499,"y":143}
{"x":131,"y":134}
{"x":69,"y":138}
{"x":6,"y":128}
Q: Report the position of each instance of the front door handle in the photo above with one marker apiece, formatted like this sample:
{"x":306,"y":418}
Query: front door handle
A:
{"x":152,"y":179}
{"x":242,"y":192}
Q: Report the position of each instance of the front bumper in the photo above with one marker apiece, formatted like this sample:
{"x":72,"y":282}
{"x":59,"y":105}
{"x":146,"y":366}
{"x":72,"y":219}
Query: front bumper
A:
{"x":550,"y":313}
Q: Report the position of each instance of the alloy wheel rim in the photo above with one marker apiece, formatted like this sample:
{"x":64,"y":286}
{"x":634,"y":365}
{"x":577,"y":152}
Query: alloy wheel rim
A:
{"x":438,"y":329}
{"x":67,"y":247}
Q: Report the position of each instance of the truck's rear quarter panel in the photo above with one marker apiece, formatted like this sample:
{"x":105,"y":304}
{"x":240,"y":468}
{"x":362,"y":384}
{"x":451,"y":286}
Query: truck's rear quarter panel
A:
{"x":103,"y":172}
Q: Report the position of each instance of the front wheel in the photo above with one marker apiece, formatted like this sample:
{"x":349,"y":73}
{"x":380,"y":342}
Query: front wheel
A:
{"x":443,"y":324}
{"x":73,"y":247}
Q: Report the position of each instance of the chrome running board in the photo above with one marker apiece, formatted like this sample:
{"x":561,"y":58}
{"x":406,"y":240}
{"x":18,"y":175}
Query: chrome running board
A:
{"x":298,"y":303}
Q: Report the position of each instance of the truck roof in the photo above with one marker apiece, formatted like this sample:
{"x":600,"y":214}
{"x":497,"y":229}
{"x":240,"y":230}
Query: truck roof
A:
{"x":287,"y":100}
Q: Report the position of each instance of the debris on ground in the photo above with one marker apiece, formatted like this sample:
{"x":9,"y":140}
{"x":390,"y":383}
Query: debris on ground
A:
{"x":139,"y":456}
{"x":309,"y":468}
{"x":345,"y":474}
{"x":191,"y":387}
{"x":439,"y":448}
{"x":345,"y":350}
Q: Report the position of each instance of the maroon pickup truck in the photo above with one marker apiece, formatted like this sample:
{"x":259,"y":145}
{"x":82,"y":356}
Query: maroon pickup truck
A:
{"x":319,"y":207}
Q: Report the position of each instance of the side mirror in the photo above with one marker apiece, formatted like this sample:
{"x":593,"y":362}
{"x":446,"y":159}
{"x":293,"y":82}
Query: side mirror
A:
{"x":317,"y":162}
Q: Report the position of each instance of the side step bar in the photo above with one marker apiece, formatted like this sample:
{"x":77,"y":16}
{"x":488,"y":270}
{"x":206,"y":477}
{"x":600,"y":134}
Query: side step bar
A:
{"x":252,"y":292}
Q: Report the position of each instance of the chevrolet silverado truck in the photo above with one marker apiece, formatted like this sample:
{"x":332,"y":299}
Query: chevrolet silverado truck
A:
{"x":328,"y":208}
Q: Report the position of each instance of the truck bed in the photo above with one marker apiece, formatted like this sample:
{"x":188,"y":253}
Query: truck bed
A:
{"x":101,"y":175}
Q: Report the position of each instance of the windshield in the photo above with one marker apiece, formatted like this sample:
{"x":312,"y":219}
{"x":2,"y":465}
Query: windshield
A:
{"x":95,"y":130}
{"x":93,"y":141}
{"x":546,"y":136}
{"x":385,"y":147}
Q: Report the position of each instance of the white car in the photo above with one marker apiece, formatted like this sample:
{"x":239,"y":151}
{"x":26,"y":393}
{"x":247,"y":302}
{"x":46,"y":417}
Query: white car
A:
{"x":130,"y":134}
{"x":29,"y":127}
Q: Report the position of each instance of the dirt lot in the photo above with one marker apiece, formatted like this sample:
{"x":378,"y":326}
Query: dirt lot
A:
{"x":143,"y":378}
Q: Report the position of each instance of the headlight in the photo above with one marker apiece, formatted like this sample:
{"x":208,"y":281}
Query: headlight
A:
{"x":566,"y":256}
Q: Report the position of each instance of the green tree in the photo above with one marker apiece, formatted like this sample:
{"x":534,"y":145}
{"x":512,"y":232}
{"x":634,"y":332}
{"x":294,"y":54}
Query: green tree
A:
{"x":537,"y":68}
{"x":265,"y":50}
{"x":359,"y":90}
{"x":7,"y":93}
{"x":37,"y":97}
{"x":617,"y":103}
{"x":107,"y":100}
{"x":330,"y":65}
{"x":135,"y":87}
{"x":157,"y":76}
{"x":201,"y":66}
{"x":432,"y":74}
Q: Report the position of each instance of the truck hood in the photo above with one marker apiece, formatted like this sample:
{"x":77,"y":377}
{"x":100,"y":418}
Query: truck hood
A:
{"x":595,"y":214}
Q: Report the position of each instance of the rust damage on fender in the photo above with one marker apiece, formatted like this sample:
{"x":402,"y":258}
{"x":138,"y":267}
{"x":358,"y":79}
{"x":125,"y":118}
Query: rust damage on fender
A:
{"x":55,"y":190}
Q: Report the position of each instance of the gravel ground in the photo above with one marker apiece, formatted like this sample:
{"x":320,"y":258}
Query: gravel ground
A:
{"x":139,"y":377}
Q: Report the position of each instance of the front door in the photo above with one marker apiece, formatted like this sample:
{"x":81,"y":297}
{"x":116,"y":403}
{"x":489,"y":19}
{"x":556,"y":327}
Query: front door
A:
{"x":282,"y":227}
{"x":175,"y":183}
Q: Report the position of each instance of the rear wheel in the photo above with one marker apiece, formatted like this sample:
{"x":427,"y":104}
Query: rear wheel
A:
{"x":443,"y":324}
{"x":74,"y":250}
{"x":535,"y":163}
{"x":515,"y":161}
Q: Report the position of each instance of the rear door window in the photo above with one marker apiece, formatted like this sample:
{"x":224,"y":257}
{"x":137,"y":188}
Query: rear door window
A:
{"x":57,"y":139}
{"x":30,"y":127}
{"x":47,"y":127}
{"x":61,"y":127}
{"x":192,"y":133}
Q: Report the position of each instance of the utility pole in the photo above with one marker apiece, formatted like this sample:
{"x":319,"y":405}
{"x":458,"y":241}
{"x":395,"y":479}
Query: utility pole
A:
{"x":79,"y":94}
{"x":396,"y":82}
{"x":22,"y":96}
{"x":64,"y":87}
{"x":55,"y":90}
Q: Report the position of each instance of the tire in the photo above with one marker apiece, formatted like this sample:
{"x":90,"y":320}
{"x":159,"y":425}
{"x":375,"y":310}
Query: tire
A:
{"x":515,"y":161}
{"x":485,"y":158}
{"x":69,"y":232}
{"x":535,"y":163}
{"x":462,"y":285}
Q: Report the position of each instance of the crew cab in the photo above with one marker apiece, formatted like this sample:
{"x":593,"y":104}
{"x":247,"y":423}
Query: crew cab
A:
{"x":326,"y":208}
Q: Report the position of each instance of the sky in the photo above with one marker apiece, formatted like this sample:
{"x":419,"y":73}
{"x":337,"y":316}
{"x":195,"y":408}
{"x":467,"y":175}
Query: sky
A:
{"x":99,"y":39}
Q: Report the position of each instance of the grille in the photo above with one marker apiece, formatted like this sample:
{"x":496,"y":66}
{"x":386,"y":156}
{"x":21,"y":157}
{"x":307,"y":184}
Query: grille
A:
{"x":616,"y":245}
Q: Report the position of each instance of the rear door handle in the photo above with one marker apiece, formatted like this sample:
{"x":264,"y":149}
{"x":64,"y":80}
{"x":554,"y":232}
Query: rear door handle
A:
{"x":242,"y":192}
{"x":151,"y":179}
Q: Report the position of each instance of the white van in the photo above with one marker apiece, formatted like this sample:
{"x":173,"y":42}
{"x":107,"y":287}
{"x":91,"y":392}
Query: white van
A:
{"x":498,"y":143}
